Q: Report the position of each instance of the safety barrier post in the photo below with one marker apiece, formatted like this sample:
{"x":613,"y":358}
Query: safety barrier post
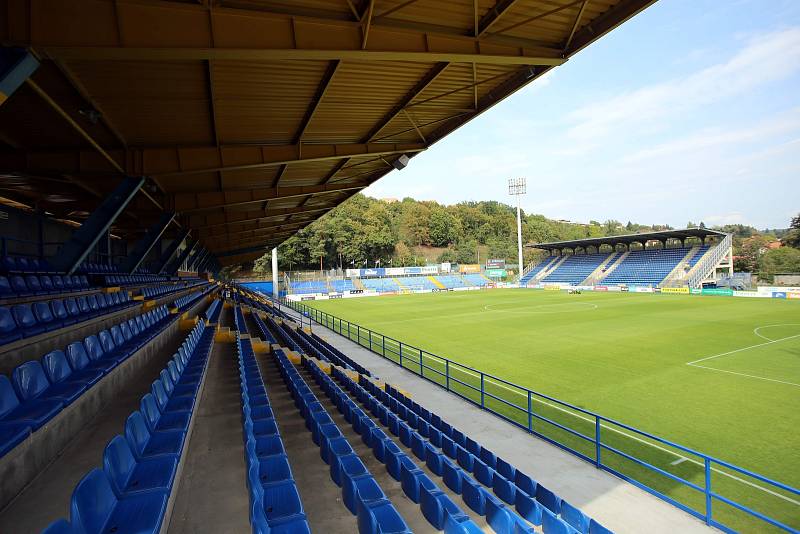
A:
{"x":530,"y":412}
{"x":401,"y":354}
{"x":482,"y":393}
{"x":597,"y":441}
{"x":447,"y":374}
{"x":421,"y":372}
{"x":707,"y":462}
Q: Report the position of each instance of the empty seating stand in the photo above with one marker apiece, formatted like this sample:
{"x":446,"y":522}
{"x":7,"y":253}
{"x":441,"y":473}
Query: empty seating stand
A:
{"x":45,"y":402}
{"x":274,"y":501}
{"x":19,"y":287}
{"x":134,"y":490}
{"x":27,"y":320}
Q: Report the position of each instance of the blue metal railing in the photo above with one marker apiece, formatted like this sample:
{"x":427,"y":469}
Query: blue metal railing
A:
{"x":594,"y":438}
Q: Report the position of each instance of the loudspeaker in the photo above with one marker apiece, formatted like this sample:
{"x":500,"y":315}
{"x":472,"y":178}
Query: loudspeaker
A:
{"x":400,"y":163}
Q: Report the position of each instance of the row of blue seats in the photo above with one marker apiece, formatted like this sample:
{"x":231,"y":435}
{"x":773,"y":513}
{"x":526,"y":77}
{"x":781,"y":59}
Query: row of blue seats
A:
{"x":38,"y":390}
{"x":187,"y":301}
{"x":27,"y":320}
{"x":533,"y":501}
{"x":130,"y":494}
{"x":264,"y":332}
{"x":131,"y":279}
{"x":361,"y":493}
{"x":161,"y":290}
{"x":275,"y":504}
{"x":440,"y":510}
{"x":437,"y":508}
{"x":213,"y":312}
{"x":539,"y":267}
{"x":316,"y":346}
{"x":24,"y":264}
{"x":17,"y":286}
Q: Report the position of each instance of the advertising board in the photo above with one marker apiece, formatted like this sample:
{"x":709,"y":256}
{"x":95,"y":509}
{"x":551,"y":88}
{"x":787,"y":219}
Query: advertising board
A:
{"x":684,"y":290}
{"x":469,"y":268}
{"x":496,"y":273}
{"x":718,"y":291}
{"x":793,"y":295}
{"x":779,"y":294}
{"x":600,"y":288}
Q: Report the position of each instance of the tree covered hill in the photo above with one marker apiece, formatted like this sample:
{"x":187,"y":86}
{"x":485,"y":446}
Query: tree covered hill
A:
{"x":405,"y":232}
{"x":413,"y":232}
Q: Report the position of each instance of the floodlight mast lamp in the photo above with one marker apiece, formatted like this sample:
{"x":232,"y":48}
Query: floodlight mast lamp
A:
{"x":516,"y":187}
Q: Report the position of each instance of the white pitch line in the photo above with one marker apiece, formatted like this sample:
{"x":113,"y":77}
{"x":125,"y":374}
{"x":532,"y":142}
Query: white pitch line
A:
{"x":631,"y":436}
{"x":743,"y":374}
{"x":743,"y":349}
{"x":681,"y":457}
{"x":755,"y":330}
{"x":678,"y":461}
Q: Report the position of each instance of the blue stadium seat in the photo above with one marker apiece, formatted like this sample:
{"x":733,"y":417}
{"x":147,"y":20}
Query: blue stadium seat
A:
{"x":548,"y":499}
{"x":452,"y":525}
{"x":60,"y":313}
{"x":44,"y":315}
{"x":146,"y":445}
{"x":79,"y":360}
{"x":551,"y":524}
{"x":597,"y":528}
{"x":5,"y":289}
{"x":32,"y":281}
{"x":158,"y":422}
{"x":131,"y":477}
{"x":9,"y":331}
{"x":58,"y":370}
{"x":380,"y":516}
{"x":30,"y":382}
{"x":34,"y":412}
{"x":574,"y":518}
{"x":47,"y":284}
{"x":435,"y":506}
{"x":23,"y":315}
{"x":19,"y":286}
{"x":96,"y":509}
{"x":529,"y":508}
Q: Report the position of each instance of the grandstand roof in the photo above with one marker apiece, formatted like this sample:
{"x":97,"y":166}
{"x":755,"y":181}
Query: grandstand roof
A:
{"x":252,"y":119}
{"x":628,"y":238}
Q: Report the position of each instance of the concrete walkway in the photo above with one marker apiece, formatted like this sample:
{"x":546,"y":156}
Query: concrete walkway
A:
{"x":617,"y":504}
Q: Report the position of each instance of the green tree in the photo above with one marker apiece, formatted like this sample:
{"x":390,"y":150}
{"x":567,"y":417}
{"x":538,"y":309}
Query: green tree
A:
{"x":792,"y":237}
{"x":779,"y":260}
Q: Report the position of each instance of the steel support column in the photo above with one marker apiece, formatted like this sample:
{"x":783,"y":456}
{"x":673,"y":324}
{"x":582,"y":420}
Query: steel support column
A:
{"x":146,"y":243}
{"x":275,"y":273}
{"x":167,"y":255}
{"x":96,"y":226}
{"x":16,"y":66}
{"x":192,"y":257}
{"x":173,"y":267}
{"x":200,"y":256}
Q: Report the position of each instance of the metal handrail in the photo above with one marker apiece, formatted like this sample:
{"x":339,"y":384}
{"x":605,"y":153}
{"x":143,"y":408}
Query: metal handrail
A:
{"x":710,"y":261}
{"x":413,"y":359}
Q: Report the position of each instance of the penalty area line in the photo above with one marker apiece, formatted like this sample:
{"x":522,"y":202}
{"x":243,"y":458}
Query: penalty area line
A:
{"x":742,"y":349}
{"x":744,"y":374}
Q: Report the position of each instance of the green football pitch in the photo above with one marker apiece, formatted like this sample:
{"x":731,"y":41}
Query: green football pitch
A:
{"x":715,"y":374}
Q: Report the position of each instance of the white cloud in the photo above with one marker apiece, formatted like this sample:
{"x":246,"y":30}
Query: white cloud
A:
{"x":765,"y":59}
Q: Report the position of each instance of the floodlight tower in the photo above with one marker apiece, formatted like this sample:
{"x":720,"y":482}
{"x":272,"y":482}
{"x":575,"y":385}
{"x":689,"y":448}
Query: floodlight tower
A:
{"x":516,"y":187}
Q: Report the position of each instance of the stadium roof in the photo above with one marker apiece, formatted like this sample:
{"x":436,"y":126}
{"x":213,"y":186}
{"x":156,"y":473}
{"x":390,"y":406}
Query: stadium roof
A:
{"x":252,"y":119}
{"x":628,"y":238}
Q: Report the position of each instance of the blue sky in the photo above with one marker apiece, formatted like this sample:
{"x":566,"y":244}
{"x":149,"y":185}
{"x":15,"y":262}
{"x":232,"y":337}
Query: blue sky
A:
{"x":688,"y":112}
